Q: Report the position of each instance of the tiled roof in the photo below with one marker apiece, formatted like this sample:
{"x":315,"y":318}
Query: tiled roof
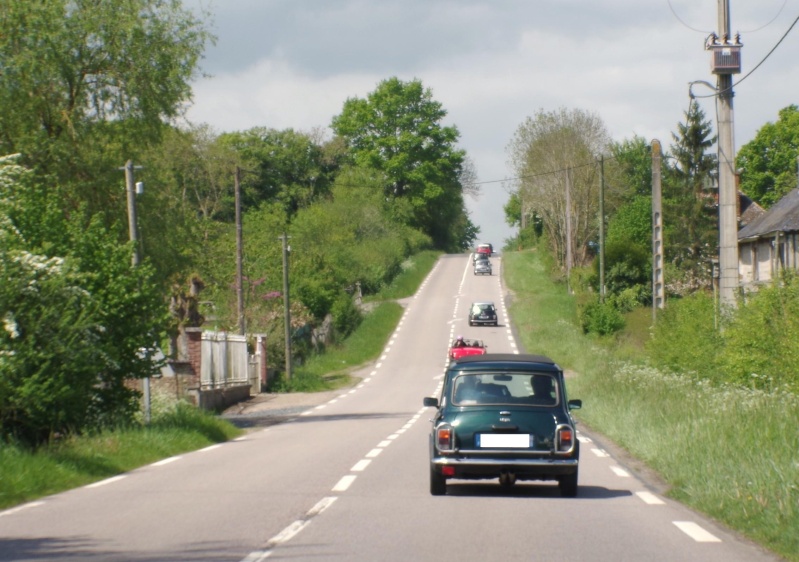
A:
{"x":782,"y":217}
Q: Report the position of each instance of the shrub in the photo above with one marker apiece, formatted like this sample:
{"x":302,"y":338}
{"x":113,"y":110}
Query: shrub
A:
{"x":685,"y":337}
{"x":601,"y":318}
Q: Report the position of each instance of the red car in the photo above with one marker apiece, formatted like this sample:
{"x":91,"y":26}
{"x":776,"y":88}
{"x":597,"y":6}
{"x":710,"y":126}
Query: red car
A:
{"x":483,"y":251}
{"x":462,"y":348}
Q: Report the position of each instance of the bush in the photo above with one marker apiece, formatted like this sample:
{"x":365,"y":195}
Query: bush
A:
{"x":601,"y":318}
{"x":760,"y":341}
{"x":686,"y":338}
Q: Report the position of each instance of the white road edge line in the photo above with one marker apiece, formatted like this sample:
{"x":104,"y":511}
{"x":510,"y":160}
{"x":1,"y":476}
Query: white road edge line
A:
{"x":649,"y":498}
{"x":106,"y":481}
{"x":20,"y":508}
{"x":165,"y":461}
{"x":618,"y":471}
{"x":695,"y":531}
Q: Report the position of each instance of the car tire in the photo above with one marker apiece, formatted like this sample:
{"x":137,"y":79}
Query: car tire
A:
{"x":568,"y":485}
{"x":438,"y":484}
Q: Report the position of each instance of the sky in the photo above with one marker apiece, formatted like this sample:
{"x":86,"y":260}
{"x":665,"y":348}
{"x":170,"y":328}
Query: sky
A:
{"x":291,"y":64}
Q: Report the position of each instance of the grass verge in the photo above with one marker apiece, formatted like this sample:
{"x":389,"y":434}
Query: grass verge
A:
{"x":77,"y":461}
{"x":729,"y":452}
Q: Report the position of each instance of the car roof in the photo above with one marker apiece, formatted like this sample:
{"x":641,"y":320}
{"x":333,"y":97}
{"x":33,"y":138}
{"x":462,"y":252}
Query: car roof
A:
{"x":483,"y":302}
{"x":507,"y":361}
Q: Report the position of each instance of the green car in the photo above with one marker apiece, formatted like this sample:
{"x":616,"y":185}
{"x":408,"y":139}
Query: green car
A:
{"x":504,"y":416}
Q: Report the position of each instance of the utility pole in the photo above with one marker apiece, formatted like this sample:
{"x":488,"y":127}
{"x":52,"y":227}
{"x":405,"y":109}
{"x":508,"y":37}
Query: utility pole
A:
{"x":286,"y":302}
{"x":658,"y":286}
{"x":131,"y":188}
{"x":239,"y":254}
{"x":569,"y":259}
{"x":133,"y":229}
{"x":601,"y":229}
{"x":723,"y":47}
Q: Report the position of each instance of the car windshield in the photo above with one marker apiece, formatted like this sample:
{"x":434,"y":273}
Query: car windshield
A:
{"x":524,"y":389}
{"x":478,"y":308}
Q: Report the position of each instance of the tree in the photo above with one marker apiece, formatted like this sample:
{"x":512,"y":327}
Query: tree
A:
{"x":398,"y":130}
{"x":86,"y":85}
{"x":690,"y":215}
{"x":285,"y":166}
{"x":769,"y":161}
{"x":549,"y":152}
{"x":78,"y":319}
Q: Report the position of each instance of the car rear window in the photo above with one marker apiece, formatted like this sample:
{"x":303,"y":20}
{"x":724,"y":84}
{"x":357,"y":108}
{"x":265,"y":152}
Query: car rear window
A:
{"x":525,"y":389}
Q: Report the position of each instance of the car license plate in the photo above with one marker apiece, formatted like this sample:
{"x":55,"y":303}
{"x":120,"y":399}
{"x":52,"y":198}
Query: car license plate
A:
{"x":504,"y":440}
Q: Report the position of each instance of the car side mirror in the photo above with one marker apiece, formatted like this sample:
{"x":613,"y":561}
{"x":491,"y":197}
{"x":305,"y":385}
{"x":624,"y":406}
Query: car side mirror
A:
{"x":430,"y":402}
{"x":575,"y":404}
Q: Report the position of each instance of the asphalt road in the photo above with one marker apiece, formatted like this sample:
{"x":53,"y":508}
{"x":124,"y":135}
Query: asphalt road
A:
{"x":347,"y":480}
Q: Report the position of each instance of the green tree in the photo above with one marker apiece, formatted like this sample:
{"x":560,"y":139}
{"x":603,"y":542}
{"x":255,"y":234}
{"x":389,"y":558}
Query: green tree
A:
{"x":79,"y":320}
{"x":398,"y":130}
{"x":553,"y":150}
{"x":689,"y":211}
{"x":70,"y":65}
{"x":632,"y":167}
{"x":285,"y":166}
{"x":768,"y":162}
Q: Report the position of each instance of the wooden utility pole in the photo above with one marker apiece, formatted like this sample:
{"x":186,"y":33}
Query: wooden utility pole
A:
{"x":286,"y":303}
{"x":601,"y":229}
{"x":569,"y":258}
{"x":133,"y":230}
{"x":239,"y":254}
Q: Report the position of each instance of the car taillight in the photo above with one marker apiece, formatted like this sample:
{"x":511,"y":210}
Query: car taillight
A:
{"x":445,"y":438}
{"x":565,"y":438}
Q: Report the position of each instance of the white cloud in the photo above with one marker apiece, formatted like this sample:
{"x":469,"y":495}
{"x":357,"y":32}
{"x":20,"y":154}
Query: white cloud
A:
{"x":491,"y":63}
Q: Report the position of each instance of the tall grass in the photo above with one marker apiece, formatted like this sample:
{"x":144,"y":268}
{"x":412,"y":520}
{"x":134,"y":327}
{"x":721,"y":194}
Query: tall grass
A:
{"x":29,"y":474}
{"x":728,"y":451}
{"x":331,"y":369}
{"x":414,"y":270}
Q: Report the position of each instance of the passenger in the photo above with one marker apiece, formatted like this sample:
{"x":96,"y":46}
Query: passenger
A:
{"x":542,"y":389}
{"x":467,"y":389}
{"x":459,"y":342}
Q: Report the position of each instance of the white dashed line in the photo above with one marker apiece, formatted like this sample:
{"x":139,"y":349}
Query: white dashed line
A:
{"x":618,"y":471}
{"x":361,"y":465}
{"x":600,"y":453}
{"x":373,"y":453}
{"x":649,"y":498}
{"x":695,"y":531}
{"x":384,"y":443}
{"x":210,"y":448}
{"x":344,"y":483}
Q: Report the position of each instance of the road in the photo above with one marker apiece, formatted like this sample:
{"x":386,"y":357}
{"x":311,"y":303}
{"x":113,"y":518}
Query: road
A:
{"x":347,"y":480}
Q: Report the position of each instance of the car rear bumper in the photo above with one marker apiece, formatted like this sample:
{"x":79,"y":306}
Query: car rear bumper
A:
{"x":492,"y":467}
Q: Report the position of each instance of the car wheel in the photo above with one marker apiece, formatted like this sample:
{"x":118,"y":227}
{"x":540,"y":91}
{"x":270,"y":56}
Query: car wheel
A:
{"x":568,"y":485}
{"x":438,"y":484}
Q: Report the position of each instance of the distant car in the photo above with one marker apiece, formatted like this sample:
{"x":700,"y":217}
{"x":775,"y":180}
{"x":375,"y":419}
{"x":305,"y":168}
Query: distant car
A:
{"x":465,"y":347}
{"x":504,"y":416}
{"x":483,"y":251}
{"x":481,"y":267}
{"x":485,"y":248}
{"x":483,"y":313}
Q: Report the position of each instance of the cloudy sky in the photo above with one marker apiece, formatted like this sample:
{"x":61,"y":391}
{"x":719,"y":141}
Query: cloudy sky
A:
{"x":492,"y":63}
